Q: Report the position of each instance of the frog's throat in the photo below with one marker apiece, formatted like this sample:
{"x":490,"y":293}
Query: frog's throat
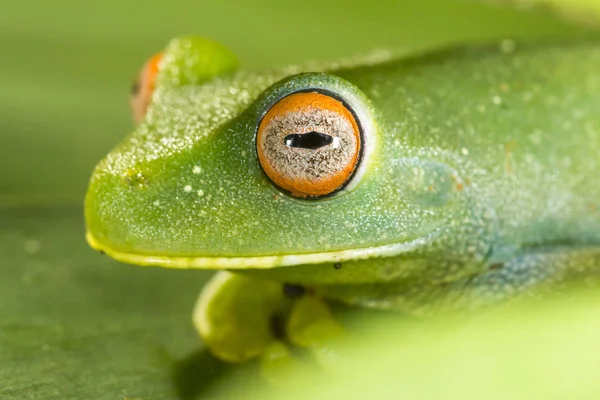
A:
{"x":265,"y":262}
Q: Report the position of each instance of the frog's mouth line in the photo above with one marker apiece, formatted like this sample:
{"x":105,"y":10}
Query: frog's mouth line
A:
{"x":264,"y":262}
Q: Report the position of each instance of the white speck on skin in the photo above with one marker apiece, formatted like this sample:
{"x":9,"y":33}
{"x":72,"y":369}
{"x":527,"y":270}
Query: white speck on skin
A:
{"x":464,"y":151}
{"x":200,"y":193}
{"x":156,"y":203}
{"x":187,"y":188}
{"x":497,"y":100}
{"x":196,"y":169}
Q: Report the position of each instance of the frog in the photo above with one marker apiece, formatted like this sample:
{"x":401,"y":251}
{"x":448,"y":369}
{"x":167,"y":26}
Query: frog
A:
{"x":419,"y":182}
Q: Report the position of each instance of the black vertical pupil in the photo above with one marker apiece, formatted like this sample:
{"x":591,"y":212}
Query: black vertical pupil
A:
{"x":311,"y":140}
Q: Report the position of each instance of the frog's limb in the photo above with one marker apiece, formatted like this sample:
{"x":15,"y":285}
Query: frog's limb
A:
{"x":531,"y":273}
{"x":234,"y":315}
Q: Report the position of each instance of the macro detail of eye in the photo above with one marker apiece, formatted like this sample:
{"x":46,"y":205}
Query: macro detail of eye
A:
{"x":309,"y":144}
{"x":143,"y":86}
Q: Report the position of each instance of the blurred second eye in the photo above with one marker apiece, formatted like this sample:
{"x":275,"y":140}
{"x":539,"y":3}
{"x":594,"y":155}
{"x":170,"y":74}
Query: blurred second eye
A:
{"x":143,"y":86}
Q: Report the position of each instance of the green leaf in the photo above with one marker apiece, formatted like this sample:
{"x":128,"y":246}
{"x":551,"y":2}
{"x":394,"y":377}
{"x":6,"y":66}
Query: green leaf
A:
{"x":75,"y":324}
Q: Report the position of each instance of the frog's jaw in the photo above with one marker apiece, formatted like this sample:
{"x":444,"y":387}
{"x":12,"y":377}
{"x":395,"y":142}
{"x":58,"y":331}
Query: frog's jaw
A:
{"x":263,"y":262}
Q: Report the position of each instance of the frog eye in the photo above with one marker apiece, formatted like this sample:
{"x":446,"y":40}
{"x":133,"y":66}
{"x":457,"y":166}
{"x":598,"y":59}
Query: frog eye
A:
{"x":143,"y":86}
{"x":309,"y":143}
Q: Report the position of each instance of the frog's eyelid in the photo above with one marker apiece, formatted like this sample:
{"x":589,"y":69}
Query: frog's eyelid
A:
{"x":143,"y":87}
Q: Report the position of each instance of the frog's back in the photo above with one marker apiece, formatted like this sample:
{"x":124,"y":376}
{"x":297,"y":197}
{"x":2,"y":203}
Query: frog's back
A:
{"x":520,"y":126}
{"x":519,"y":123}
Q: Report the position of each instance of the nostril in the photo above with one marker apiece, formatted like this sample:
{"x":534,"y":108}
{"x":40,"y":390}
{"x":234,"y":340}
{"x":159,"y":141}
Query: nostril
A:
{"x":311,"y":140}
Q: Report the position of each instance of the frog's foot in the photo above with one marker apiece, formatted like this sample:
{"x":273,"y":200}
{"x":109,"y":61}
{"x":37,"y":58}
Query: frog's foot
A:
{"x":234,"y":315}
{"x":240,"y":318}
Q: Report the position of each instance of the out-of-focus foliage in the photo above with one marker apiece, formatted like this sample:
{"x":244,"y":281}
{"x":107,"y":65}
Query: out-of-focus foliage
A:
{"x":67,"y":65}
{"x":74,"y":324}
{"x":581,"y":11}
{"x":533,"y":351}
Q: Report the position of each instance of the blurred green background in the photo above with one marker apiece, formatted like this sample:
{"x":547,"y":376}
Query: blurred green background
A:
{"x":74,"y":324}
{"x":67,"y":65}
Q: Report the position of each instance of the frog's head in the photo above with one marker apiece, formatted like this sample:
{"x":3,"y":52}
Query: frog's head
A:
{"x":232,"y":169}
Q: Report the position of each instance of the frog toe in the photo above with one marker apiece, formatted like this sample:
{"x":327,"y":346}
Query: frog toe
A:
{"x":234,"y":314}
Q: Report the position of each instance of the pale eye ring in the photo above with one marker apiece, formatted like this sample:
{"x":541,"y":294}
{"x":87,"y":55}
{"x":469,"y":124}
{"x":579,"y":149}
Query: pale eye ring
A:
{"x":310,"y":143}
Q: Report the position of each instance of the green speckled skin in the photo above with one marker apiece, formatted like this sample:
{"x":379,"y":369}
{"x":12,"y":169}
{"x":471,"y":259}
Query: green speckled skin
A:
{"x":482,"y":177}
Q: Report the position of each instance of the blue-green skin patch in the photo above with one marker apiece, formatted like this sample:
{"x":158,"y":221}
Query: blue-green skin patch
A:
{"x":481,"y":181}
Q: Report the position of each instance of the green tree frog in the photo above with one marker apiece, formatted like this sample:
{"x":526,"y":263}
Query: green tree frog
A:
{"x":449,"y":179}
